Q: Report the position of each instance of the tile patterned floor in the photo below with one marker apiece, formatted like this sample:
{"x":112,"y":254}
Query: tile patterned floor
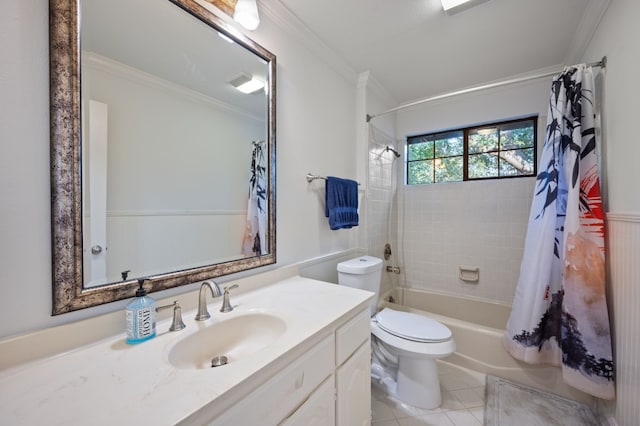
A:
{"x":462,"y":402}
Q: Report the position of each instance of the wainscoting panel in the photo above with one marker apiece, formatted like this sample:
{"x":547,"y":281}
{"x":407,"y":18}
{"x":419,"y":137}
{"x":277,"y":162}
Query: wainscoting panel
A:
{"x":624,"y":302}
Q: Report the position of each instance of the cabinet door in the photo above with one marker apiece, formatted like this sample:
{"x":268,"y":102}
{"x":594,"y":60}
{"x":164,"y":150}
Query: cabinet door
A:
{"x":353,"y":384}
{"x":318,"y":410}
{"x":288,"y":389}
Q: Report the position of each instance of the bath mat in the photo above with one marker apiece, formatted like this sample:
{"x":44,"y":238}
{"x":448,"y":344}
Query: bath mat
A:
{"x":513,"y":404}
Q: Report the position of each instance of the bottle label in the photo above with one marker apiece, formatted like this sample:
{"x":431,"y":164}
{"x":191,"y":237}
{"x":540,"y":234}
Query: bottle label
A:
{"x":141,"y":323}
{"x":145,"y":322}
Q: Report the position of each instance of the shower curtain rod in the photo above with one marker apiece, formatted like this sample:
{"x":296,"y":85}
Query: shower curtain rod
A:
{"x":602,"y":63}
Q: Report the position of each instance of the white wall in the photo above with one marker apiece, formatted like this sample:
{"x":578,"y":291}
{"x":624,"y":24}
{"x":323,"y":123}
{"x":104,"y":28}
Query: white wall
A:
{"x":617,"y":37}
{"x":25,"y":229}
{"x":479,"y":224}
{"x":315,"y":133}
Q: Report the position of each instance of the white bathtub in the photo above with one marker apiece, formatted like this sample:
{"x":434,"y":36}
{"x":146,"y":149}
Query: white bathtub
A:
{"x":478,"y":327}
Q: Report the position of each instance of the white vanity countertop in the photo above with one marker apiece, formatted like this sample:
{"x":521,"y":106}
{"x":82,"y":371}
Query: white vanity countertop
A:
{"x":111,"y":382}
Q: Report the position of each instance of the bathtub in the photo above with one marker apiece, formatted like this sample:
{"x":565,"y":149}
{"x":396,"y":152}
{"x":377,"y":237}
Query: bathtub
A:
{"x":478,"y":327}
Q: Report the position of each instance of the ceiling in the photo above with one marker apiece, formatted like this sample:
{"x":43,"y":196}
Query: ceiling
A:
{"x":415,"y":50}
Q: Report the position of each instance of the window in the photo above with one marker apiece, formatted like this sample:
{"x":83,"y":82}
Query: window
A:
{"x":496,"y":150}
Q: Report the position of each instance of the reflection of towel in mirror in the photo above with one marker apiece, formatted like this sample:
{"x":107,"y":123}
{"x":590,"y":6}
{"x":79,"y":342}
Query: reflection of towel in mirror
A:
{"x":341,"y":202}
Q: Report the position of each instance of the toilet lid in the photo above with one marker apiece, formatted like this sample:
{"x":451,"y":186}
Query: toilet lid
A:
{"x":412,"y":326}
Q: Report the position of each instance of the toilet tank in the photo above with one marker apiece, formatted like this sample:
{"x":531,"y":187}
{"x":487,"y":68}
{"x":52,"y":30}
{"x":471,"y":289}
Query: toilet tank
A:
{"x":363,"y":272}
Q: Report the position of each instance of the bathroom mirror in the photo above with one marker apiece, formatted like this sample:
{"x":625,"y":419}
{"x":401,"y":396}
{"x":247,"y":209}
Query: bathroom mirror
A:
{"x":160,"y":168}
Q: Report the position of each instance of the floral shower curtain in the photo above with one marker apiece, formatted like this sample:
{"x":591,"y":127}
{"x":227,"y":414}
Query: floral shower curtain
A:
{"x":559,"y":313}
{"x":254,"y":242}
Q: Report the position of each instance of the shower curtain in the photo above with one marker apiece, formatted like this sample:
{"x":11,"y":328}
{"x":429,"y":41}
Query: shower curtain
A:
{"x":254,"y":241}
{"x":559,"y":313}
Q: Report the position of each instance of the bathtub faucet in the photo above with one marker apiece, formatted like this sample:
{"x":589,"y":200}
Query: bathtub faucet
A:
{"x":394,"y":269}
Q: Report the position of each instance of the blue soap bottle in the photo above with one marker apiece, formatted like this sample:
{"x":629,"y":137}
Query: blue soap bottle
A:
{"x":141,"y":316}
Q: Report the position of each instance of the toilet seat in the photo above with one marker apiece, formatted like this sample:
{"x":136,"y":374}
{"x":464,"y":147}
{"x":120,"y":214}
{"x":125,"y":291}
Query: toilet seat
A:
{"x":411,"y":348}
{"x":414,"y":327}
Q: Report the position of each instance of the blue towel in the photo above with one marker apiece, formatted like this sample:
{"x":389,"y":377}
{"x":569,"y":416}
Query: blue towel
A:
{"x":341,"y":202}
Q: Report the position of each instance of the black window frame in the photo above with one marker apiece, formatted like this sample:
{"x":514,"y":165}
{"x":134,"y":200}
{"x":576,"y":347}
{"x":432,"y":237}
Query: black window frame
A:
{"x":465,"y":154}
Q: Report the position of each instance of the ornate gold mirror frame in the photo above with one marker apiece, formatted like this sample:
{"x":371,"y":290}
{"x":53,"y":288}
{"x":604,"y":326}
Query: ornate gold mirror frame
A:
{"x":69,"y":293}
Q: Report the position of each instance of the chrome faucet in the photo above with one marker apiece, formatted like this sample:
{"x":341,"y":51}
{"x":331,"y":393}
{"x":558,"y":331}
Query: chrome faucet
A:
{"x":203,"y":314}
{"x":226,"y":304}
{"x":177,"y":323}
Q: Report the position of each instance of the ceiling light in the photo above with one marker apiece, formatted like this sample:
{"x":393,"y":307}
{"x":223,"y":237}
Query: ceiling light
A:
{"x":455,"y":6}
{"x":246,"y":14}
{"x":247,"y":84}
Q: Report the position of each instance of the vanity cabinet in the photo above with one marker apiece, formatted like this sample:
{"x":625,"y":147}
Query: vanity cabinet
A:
{"x":328,"y":385}
{"x":316,"y":372}
{"x":285,"y":392}
{"x":353,"y":372}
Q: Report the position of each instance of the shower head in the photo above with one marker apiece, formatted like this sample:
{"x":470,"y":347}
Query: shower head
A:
{"x":396,"y":153}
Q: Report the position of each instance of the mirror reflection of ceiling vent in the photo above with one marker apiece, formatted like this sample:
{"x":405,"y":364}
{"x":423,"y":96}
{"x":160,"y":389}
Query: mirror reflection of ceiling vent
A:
{"x":247,"y":84}
{"x":454,"y":6}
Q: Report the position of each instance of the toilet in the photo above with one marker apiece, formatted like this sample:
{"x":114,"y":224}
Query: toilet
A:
{"x":405,"y":345}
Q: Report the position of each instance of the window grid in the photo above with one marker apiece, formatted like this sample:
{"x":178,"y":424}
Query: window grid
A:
{"x":501,"y":127}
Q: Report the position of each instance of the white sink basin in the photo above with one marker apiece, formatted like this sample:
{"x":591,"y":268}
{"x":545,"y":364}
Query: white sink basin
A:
{"x":234,"y":338}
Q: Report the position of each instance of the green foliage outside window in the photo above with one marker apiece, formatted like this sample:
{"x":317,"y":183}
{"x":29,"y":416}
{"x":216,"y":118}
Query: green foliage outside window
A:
{"x":504,"y":149}
{"x":436,"y":158}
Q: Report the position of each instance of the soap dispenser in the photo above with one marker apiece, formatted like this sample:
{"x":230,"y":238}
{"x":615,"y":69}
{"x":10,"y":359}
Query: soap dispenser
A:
{"x":141,"y":316}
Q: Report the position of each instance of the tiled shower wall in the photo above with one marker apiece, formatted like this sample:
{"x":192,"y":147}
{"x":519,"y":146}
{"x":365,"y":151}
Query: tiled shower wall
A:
{"x":479,"y":224}
{"x":381,"y":184}
{"x":476,"y":224}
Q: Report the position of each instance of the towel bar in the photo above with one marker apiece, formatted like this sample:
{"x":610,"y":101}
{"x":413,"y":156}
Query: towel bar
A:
{"x":311,"y":178}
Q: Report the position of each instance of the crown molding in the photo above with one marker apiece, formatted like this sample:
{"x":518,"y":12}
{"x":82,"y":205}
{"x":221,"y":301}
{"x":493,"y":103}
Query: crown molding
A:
{"x":289,"y":22}
{"x":368,"y":81}
{"x":587,"y":27}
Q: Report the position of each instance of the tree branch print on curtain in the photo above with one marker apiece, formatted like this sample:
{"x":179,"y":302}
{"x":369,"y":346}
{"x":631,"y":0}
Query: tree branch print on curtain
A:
{"x":559,"y":314}
{"x":254,"y":241}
